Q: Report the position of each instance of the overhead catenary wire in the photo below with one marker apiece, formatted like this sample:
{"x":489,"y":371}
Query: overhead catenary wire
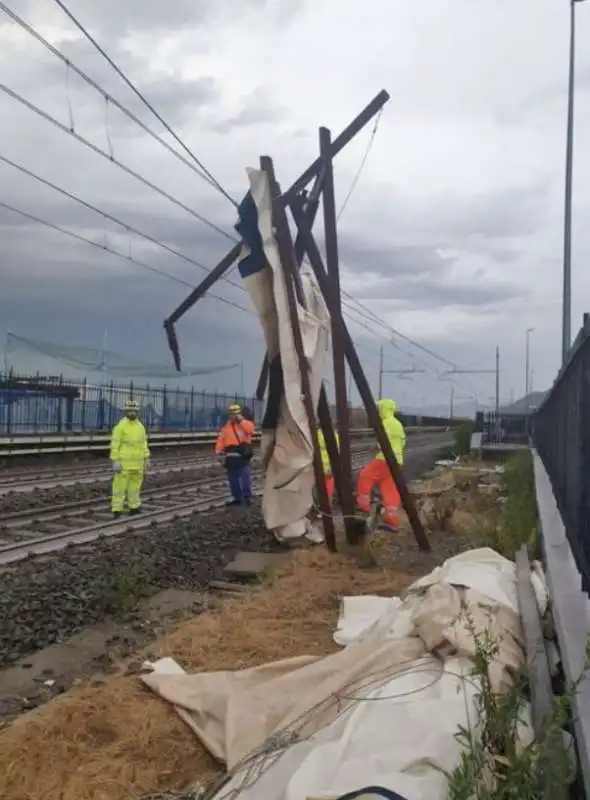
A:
{"x":367,"y":313}
{"x":126,"y":226}
{"x":99,"y":151}
{"x":173,"y":251}
{"x":401,"y":335}
{"x":14,"y":95}
{"x":70,"y":65}
{"x":361,"y":166}
{"x":124,"y":256}
{"x":364,"y":311}
{"x":345,"y":202}
{"x":132,"y":229}
{"x":143,"y":99}
{"x":386,"y":339}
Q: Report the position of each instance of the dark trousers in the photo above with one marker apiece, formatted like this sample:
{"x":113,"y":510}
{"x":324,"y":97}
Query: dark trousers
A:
{"x":240,"y":482}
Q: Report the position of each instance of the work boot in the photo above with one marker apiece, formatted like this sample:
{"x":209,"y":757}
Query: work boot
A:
{"x":231,"y":503}
{"x":117,"y":514}
{"x":134,"y":511}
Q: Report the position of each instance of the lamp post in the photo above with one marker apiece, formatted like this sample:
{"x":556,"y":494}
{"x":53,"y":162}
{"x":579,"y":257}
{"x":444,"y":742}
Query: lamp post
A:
{"x":569,"y":164}
{"x":527,"y":362}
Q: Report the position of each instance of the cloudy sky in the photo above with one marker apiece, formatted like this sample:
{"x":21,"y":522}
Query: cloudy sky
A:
{"x":452,"y":235}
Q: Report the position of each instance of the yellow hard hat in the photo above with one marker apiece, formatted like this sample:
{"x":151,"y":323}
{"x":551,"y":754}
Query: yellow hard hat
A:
{"x":235,"y":408}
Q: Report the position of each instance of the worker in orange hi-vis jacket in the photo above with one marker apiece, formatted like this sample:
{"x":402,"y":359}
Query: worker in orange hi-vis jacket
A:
{"x":376,"y":472}
{"x":234,"y":443}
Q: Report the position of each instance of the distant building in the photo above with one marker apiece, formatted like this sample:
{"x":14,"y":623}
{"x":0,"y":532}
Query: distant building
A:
{"x":526,"y":405}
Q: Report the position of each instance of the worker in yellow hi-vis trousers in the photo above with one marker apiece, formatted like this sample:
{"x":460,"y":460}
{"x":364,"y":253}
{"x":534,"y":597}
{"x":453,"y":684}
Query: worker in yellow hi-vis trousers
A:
{"x":130,"y":459}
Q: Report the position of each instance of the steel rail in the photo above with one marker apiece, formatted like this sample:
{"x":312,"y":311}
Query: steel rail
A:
{"x":84,"y":480}
{"x":52,"y":444}
{"x":29,"y":480}
{"x":40,"y":515}
{"x":43,"y":545}
{"x":33,"y":476}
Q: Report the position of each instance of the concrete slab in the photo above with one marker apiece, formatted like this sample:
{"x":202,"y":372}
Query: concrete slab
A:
{"x":253,"y":565}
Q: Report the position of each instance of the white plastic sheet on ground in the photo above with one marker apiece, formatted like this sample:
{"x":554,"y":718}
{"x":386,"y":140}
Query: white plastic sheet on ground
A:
{"x":384,"y":710}
{"x":289,"y":479}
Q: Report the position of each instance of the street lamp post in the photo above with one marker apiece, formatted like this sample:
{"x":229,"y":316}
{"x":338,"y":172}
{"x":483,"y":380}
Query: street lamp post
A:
{"x":569,"y":165}
{"x":527,"y":363}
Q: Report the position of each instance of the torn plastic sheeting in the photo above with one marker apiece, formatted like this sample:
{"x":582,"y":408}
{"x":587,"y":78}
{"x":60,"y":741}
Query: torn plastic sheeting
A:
{"x":287,"y":449}
{"x":382,"y":711}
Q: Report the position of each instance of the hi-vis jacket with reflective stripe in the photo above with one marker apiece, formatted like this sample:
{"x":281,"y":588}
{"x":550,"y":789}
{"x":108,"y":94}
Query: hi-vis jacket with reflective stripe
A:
{"x":129,"y":445}
{"x":233,"y":434}
{"x":393,"y":428}
{"x":324,"y":451}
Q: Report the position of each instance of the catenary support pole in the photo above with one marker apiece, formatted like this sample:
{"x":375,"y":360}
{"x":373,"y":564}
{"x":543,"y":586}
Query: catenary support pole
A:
{"x":498,"y":421}
{"x":216,"y":274}
{"x":262,"y":379}
{"x":334,"y":303}
{"x":357,"y":124}
{"x":362,"y":384}
{"x":312,"y":203}
{"x":289,"y":267}
{"x":327,"y":426}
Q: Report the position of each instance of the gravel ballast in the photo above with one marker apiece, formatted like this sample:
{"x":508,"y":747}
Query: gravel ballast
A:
{"x":47,"y":599}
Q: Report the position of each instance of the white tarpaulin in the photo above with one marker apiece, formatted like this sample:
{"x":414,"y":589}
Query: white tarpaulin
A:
{"x":288,"y":450}
{"x":383,"y":711}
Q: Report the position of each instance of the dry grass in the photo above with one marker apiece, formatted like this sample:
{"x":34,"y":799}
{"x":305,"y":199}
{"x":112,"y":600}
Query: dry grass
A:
{"x":117,"y":741}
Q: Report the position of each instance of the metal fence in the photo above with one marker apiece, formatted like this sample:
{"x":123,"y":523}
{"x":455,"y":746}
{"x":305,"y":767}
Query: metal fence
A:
{"x":43,"y":404}
{"x":561,"y":434}
{"x":503,"y":428}
{"x":39,"y":405}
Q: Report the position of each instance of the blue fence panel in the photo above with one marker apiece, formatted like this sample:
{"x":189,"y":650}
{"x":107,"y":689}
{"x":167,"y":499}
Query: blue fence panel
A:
{"x":37,"y":405}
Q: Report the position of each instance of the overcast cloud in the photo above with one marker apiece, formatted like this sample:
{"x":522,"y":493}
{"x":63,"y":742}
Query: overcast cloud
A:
{"x":453,"y":234}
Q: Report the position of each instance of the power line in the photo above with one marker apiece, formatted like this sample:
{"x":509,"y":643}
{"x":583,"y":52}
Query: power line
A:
{"x":372,"y":316}
{"x":134,"y":89}
{"x":415,"y":359}
{"x":130,"y":258}
{"x":126,"y":257}
{"x":350,"y":297}
{"x":376,"y":320}
{"x":116,"y":220}
{"x":96,"y":149}
{"x":106,"y":248}
{"x":401,"y":335}
{"x":365,"y":311}
{"x":107,"y":97}
{"x":153,"y":240}
{"x":359,"y":171}
{"x":130,"y":228}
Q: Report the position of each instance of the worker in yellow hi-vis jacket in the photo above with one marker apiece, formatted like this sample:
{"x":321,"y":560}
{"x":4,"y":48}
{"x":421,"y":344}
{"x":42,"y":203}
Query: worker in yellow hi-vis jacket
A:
{"x":130,"y":459}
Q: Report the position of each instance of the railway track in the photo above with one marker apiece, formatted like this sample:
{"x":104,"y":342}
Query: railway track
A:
{"x":28,"y":480}
{"x":36,"y":532}
{"x":39,"y":531}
